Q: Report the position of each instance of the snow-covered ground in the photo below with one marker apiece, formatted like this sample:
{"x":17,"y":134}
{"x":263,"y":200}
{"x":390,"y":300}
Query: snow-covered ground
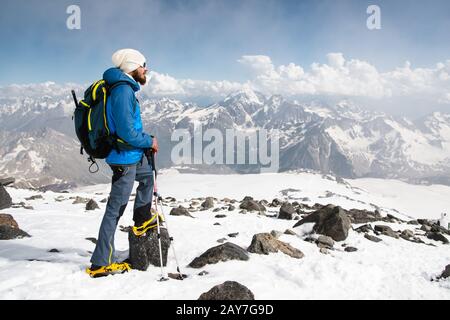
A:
{"x":391,"y":269}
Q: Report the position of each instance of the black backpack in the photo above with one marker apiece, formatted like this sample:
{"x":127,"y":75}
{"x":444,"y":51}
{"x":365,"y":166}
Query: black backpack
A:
{"x":91,"y":125}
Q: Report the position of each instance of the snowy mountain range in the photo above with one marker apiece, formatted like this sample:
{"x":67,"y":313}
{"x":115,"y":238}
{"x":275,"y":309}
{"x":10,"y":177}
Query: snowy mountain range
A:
{"x":39,"y":147}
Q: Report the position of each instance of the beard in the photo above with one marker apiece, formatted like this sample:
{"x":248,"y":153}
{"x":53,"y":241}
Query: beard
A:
{"x":140,"y":78}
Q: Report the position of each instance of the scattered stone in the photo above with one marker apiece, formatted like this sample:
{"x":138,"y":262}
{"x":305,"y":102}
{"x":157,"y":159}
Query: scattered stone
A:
{"x":104,"y":200}
{"x":387,"y":231}
{"x":325,"y":241}
{"x":229,"y":290}
{"x":247,"y":198}
{"x":223,"y":252}
{"x":437,"y":237}
{"x":364,"y":228}
{"x":286,"y":211}
{"x":363,"y":216}
{"x":8,"y":220}
{"x":9,"y":233}
{"x":330,"y":221}
{"x":180,"y":211}
{"x":425,"y":228}
{"x":264,"y":243}
{"x":251,"y":205}
{"x":414,"y":222}
{"x":233,"y":235}
{"x":144,"y":250}
{"x":290,"y":232}
{"x":350,"y":249}
{"x":231,"y":208}
{"x":276,"y":233}
{"x":5,"y":198}
{"x":222,"y":240}
{"x":324,"y":250}
{"x":7,"y":181}
{"x":92,"y":205}
{"x":227,"y":200}
{"x":54,"y":251}
{"x":35,"y":197}
{"x":217,"y":224}
{"x":275,"y":202}
{"x":243,"y":211}
{"x":372,"y":238}
{"x":80,"y":200}
{"x":203,"y":273}
{"x":446,"y":273}
{"x":93,"y":240}
{"x":220,"y":216}
{"x":217,"y":209}
{"x":208,"y":203}
{"x":407,"y":234}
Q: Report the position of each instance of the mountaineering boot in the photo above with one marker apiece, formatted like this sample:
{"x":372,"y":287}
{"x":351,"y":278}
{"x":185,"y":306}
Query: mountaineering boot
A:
{"x":149,"y":224}
{"x":102,"y":271}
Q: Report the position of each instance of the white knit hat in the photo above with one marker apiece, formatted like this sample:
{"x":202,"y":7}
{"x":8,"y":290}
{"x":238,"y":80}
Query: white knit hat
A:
{"x":128,"y":59}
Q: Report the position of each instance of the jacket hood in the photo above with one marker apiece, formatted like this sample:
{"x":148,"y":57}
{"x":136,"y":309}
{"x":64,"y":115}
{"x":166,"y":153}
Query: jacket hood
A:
{"x":113,"y":75}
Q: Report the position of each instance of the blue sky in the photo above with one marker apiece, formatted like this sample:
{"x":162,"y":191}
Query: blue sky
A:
{"x":203,"y":39}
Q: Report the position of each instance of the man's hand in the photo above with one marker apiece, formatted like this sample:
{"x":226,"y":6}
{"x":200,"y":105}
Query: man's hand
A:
{"x":155,"y":146}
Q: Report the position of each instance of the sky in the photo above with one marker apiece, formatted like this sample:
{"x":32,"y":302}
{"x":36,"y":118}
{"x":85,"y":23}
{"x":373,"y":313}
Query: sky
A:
{"x":213,"y":47}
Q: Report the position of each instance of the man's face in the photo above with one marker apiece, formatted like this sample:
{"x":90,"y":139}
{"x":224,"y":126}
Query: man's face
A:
{"x":139,"y":75}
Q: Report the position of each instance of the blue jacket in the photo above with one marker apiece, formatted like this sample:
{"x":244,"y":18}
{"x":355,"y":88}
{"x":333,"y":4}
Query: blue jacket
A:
{"x":124,"y":118}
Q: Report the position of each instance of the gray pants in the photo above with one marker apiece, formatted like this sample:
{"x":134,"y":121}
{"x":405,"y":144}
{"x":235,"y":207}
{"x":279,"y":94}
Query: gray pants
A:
{"x":121,"y":187}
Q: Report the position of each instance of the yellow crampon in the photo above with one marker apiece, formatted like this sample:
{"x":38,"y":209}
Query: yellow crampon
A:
{"x":149,"y":224}
{"x":113,"y":268}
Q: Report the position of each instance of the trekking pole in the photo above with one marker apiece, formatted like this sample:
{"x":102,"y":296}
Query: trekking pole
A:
{"x":158,"y":196}
{"x":158,"y":229}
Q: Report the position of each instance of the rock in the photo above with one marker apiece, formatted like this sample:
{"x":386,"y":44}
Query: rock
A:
{"x":413,"y":222}
{"x":328,"y":242}
{"x":424,"y":222}
{"x":330,"y":221}
{"x":54,"y":250}
{"x":104,"y":200}
{"x":217,"y":209}
{"x":364,"y":228}
{"x":407,"y":234}
{"x":437,"y":237}
{"x":251,"y":205}
{"x":217,"y":224}
{"x":222,"y":240}
{"x":425,"y":228}
{"x":233,"y":235}
{"x":144,"y":250}
{"x":8,"y":220}
{"x":231,"y":208}
{"x":438,"y":228}
{"x":276,"y":234}
{"x":446,"y":273}
{"x":324,"y":250}
{"x":220,"y":216}
{"x":286,"y":211}
{"x":203,"y":273}
{"x":350,"y":249}
{"x":372,"y":238}
{"x":208,"y":203}
{"x":180,"y":211}
{"x":223,"y":252}
{"x":227,"y":200}
{"x":5,"y":198}
{"x":275,"y":203}
{"x":290,"y":232}
{"x":34,"y":197}
{"x":243,"y":211}
{"x":264,"y":243}
{"x":9,"y":233}
{"x":93,"y":240}
{"x":363,"y":216}
{"x":229,"y":290}
{"x":7,"y":181}
{"x":80,"y":200}
{"x":92,"y":205}
{"x":247,"y":198}
{"x":387,"y":231}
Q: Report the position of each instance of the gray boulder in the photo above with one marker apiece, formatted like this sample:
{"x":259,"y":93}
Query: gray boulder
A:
{"x":330,"y":221}
{"x":286,"y":211}
{"x":208,"y":203}
{"x":8,"y":220}
{"x":9,"y":233}
{"x":446,"y":273}
{"x":387,"y":231}
{"x":144,"y":250}
{"x":251,"y":205}
{"x":372,"y":238}
{"x":5,"y":198}
{"x":265,"y":243}
{"x":229,"y":290}
{"x":92,"y":205}
{"x":180,"y":211}
{"x":223,"y":252}
{"x":437,"y":237}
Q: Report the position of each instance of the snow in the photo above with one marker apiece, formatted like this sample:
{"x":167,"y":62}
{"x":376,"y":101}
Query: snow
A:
{"x":391,"y":269}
